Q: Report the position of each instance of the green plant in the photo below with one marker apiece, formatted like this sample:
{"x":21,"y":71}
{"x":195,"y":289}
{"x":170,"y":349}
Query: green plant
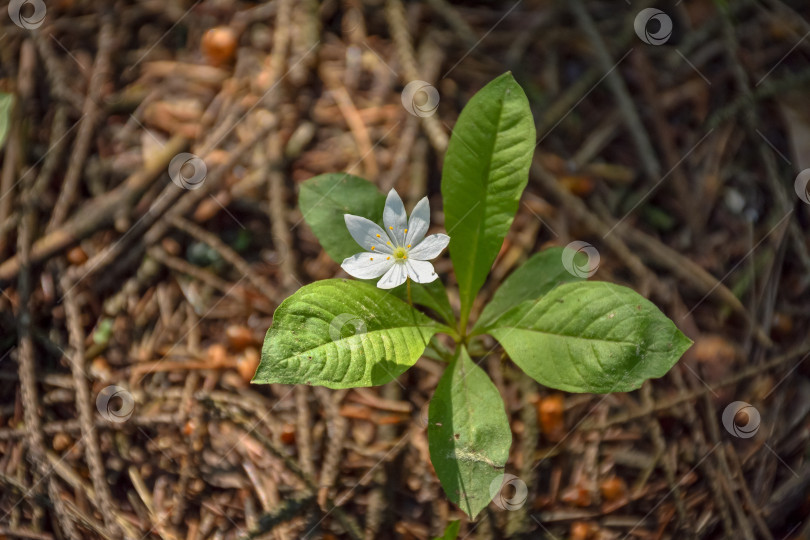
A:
{"x":563,"y":331}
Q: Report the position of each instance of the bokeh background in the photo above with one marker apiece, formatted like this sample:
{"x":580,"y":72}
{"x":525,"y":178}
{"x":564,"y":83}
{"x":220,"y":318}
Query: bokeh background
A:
{"x":672,"y":140}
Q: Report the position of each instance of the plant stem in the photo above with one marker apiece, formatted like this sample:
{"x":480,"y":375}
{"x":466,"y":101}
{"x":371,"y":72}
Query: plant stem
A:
{"x":462,"y":325}
{"x":408,"y":285}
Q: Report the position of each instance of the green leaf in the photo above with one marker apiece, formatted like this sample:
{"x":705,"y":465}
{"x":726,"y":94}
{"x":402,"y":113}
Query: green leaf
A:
{"x":438,"y":351}
{"x":6,"y":106}
{"x":534,"y":278}
{"x":468,"y":434}
{"x":485,"y":170}
{"x":323,"y":201}
{"x":591,"y":337}
{"x":342,"y":334}
{"x":431,"y":295}
{"x":326,"y":198}
{"x":103,"y":332}
{"x":451,"y":531}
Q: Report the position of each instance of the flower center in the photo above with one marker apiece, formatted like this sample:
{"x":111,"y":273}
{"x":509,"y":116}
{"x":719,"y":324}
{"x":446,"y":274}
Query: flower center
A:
{"x":400,"y":253}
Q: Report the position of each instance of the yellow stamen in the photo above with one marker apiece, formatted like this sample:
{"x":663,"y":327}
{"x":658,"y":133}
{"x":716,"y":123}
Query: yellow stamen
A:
{"x":406,"y":230}
{"x":409,"y":245}
{"x":388,"y":258}
{"x":371,"y":258}
{"x":378,"y":236}
{"x":390,"y":228}
{"x":372,"y":248}
{"x":389,"y":242}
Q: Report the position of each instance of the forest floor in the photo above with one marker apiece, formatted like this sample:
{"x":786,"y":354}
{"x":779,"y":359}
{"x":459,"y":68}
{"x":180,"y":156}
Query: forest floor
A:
{"x":132,"y":311}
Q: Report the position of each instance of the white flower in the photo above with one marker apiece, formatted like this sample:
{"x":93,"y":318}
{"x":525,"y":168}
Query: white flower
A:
{"x":399,"y":252}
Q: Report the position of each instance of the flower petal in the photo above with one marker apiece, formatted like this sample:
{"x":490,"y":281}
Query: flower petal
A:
{"x":418,"y":223}
{"x":367,"y":265}
{"x":429,"y":248}
{"x":367,"y":233}
{"x":420,"y":271}
{"x":394,"y":277}
{"x":395,"y":219}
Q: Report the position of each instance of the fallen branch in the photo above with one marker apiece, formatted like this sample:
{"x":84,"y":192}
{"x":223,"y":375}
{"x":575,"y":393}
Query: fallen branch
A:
{"x":97,"y":213}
